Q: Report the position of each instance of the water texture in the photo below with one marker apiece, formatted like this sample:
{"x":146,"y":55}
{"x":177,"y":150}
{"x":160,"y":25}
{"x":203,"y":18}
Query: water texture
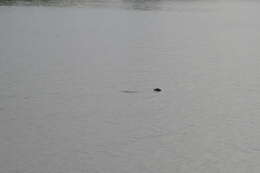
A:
{"x":77,"y":80}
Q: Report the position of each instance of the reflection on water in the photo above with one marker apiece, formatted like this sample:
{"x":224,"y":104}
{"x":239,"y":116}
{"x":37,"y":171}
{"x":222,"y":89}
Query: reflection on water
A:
{"x":144,"y":4}
{"x":35,"y":2}
{"x":129,"y":4}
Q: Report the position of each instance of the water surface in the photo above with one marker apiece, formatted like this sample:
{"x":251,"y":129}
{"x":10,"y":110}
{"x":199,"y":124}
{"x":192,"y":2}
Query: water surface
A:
{"x":76,"y":86}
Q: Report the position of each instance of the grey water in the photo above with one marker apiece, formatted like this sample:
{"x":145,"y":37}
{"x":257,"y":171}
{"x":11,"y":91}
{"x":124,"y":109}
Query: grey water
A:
{"x":77,"y":80}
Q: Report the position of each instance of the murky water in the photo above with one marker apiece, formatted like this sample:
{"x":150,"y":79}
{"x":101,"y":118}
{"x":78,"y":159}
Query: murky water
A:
{"x":77,"y":80}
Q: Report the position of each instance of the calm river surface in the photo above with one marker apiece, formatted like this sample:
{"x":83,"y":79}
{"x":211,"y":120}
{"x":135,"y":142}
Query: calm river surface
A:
{"x":77,"y":80}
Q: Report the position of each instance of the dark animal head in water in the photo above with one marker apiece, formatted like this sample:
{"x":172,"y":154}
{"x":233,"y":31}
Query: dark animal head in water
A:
{"x":157,"y":89}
